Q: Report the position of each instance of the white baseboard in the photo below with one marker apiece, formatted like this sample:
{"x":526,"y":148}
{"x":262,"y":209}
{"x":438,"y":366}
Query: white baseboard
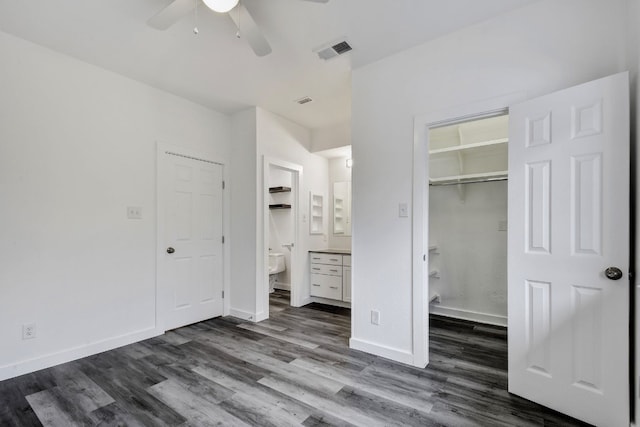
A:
{"x":490,"y":319}
{"x":244,"y":315}
{"x":48,"y":360}
{"x":395,"y":354}
{"x":283,"y":286}
{"x":329,"y":301}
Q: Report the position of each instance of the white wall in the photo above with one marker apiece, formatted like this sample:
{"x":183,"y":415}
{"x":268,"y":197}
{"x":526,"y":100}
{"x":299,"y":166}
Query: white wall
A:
{"x":77,"y":146}
{"x":338,"y":172}
{"x":284,"y":140}
{"x":472,"y":253}
{"x":243,"y":186}
{"x":543,"y":47}
{"x":330,"y":137}
{"x":258,"y":134}
{"x":633,"y":43}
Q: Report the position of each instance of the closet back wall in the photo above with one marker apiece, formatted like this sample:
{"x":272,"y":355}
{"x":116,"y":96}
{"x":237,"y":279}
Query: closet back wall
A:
{"x":472,"y":252}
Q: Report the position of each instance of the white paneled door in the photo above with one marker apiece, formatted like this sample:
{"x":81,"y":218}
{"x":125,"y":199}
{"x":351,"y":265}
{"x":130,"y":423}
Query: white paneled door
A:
{"x":569,"y":251}
{"x":192,"y":269}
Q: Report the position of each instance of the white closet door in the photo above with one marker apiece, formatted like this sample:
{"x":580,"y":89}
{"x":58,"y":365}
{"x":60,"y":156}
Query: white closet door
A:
{"x":569,"y":223}
{"x":192,"y":267}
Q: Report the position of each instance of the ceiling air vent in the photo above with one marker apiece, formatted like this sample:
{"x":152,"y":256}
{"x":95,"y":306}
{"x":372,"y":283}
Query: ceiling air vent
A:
{"x":334,"y":50}
{"x":304,"y":100}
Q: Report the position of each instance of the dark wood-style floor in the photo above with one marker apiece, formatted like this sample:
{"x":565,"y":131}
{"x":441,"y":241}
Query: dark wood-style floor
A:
{"x":294,"y":369}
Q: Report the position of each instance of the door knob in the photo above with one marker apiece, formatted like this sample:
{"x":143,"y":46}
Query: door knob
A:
{"x":170,"y":250}
{"x":613,"y":273}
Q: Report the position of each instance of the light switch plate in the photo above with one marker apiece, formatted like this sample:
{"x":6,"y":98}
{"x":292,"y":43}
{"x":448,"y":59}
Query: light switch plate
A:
{"x":134,"y":212}
{"x":403,"y":210}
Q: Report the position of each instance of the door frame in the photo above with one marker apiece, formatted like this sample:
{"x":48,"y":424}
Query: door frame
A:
{"x":162,"y":171}
{"x":420,"y":206}
{"x":262,"y":303}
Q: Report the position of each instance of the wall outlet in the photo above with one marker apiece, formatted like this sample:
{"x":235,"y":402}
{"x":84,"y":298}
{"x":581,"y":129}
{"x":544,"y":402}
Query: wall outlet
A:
{"x":134,"y":212}
{"x":28,"y":331}
{"x":375,"y":317}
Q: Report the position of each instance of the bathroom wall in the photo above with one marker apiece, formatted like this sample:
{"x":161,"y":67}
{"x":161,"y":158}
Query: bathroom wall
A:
{"x":281,"y":223}
{"x":338,"y":172}
{"x":471,"y":254}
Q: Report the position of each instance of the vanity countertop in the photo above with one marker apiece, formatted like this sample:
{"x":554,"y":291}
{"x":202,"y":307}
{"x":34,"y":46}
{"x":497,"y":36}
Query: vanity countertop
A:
{"x":332,"y":251}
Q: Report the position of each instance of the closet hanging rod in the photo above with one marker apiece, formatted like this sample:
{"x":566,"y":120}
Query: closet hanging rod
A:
{"x":469,"y":181}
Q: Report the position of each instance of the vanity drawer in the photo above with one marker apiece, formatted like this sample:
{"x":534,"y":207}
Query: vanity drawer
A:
{"x":331,"y":259}
{"x":332,"y":270}
{"x":326,"y":286}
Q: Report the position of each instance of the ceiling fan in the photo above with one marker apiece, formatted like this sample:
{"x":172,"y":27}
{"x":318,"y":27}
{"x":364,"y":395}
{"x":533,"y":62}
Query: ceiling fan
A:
{"x":236,"y":11}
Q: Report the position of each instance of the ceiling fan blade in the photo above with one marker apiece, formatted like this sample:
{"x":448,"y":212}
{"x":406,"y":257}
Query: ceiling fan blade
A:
{"x":171,"y":14}
{"x":249,"y":30}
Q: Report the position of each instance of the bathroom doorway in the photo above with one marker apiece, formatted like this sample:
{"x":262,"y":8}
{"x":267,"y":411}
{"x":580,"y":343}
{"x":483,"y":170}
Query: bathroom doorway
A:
{"x":282,"y":182}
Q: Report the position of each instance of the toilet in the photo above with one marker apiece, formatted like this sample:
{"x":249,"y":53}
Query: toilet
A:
{"x":276,"y":265}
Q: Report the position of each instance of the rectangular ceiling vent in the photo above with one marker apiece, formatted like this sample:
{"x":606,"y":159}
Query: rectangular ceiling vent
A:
{"x":304,"y":100}
{"x":334,"y":50}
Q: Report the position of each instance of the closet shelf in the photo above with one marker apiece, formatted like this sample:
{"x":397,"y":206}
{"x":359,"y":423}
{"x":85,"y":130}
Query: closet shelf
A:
{"x":433,"y":247}
{"x":279,"y":189}
{"x":471,"y":177}
{"x":280,"y":206}
{"x":463,"y":147}
{"x":435,"y":274}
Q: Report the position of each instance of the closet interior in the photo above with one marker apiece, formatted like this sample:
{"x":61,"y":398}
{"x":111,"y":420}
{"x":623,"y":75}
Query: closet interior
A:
{"x":468,"y":169}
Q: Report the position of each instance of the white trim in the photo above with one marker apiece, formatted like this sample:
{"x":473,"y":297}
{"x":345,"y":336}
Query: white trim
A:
{"x":475,"y":316}
{"x":164,"y":149}
{"x":420,"y":233}
{"x":282,"y":286}
{"x":328,"y":301}
{"x":74,"y":353}
{"x":298,"y":261}
{"x":391,"y":353}
{"x":244,"y":315}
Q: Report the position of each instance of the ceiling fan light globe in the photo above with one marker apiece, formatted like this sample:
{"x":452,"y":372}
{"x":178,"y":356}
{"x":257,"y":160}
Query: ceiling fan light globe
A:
{"x":220,"y":6}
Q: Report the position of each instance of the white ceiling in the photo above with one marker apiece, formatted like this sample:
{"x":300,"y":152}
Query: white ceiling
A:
{"x":220,"y":71}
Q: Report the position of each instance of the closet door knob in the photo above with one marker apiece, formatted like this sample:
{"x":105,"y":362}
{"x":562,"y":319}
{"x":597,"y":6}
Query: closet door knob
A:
{"x":170,"y":250}
{"x":613,"y":273}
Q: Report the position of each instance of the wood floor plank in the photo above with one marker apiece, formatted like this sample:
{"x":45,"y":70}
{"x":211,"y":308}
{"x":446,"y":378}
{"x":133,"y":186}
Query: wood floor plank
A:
{"x":294,"y":369}
{"x":197,"y":410}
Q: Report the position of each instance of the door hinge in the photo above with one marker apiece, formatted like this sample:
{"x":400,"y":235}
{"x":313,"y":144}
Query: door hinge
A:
{"x":222,"y":294}
{"x":223,"y":185}
{"x":223,"y":240}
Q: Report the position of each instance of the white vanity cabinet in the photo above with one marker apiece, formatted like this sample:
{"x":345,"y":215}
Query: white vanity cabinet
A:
{"x":327,"y":276}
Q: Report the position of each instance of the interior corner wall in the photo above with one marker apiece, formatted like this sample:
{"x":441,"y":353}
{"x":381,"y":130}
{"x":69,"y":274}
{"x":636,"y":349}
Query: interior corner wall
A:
{"x":338,"y":172}
{"x":542,"y":47}
{"x":78,"y":145}
{"x":244,"y":214}
{"x":284,"y":140}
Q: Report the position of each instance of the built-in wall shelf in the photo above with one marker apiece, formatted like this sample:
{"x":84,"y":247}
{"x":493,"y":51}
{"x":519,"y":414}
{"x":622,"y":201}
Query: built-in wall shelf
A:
{"x":462,"y":147}
{"x":316,"y":213}
{"x":469,"y":152}
{"x":280,"y":206}
{"x":279,"y":189}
